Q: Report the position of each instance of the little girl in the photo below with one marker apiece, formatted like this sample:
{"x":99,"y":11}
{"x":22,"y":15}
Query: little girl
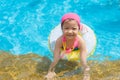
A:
{"x":69,"y":41}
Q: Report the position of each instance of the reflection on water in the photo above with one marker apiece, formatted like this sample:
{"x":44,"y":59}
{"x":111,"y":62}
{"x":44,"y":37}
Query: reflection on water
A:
{"x":25,"y":27}
{"x":34,"y":67}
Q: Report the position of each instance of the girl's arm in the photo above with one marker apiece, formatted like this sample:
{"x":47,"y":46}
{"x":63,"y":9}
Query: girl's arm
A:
{"x":56,"y":55}
{"x":51,"y":72}
{"x":83,"y":52}
{"x":83,"y":57}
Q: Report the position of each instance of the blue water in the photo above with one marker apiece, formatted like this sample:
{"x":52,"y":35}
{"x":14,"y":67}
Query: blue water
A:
{"x":26,"y":24}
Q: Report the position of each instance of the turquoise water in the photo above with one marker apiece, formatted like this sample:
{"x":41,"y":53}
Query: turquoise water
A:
{"x":25,"y":25}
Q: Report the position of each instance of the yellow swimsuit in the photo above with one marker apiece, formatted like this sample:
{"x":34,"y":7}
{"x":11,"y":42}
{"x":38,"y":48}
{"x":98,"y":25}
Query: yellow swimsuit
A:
{"x":72,"y":54}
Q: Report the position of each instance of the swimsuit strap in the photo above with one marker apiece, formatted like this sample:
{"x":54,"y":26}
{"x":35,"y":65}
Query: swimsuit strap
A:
{"x":70,"y":49}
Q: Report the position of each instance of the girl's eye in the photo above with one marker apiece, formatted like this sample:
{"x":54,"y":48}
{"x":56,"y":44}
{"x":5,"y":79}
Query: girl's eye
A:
{"x":66,"y":28}
{"x":74,"y":28}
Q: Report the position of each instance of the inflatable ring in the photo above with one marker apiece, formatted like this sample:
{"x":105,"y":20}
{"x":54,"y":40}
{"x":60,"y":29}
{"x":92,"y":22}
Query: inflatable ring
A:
{"x":86,"y":32}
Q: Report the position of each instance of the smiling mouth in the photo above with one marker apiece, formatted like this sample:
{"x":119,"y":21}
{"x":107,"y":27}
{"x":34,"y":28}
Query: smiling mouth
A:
{"x":70,"y":35}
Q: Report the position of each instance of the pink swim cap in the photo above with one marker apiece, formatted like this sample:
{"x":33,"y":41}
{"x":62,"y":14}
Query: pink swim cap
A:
{"x":71,"y":16}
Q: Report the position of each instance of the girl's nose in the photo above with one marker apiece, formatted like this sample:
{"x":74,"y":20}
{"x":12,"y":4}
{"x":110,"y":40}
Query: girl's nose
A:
{"x":70,"y":31}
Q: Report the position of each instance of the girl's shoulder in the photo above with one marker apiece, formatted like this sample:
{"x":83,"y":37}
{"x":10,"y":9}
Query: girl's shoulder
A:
{"x":59,"y":41}
{"x":80,"y":40}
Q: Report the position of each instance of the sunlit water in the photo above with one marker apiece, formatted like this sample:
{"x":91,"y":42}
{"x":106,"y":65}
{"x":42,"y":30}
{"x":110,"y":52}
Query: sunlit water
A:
{"x":25,"y":26}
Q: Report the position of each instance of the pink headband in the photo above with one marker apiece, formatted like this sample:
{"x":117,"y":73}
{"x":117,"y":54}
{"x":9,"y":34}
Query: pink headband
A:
{"x":71,"y":16}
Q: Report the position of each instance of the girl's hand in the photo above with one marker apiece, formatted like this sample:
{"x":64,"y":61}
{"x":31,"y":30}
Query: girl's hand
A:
{"x":50,"y":75}
{"x":86,"y":68}
{"x":86,"y":73}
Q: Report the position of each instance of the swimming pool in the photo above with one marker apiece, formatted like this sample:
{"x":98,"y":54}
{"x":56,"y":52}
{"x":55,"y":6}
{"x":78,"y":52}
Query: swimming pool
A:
{"x":25,"y":25}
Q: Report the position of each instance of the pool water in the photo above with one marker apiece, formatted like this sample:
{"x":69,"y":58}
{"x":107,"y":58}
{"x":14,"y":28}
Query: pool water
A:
{"x":25,"y":27}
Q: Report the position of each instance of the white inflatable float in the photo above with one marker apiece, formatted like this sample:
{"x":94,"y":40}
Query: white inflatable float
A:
{"x":87,"y":34}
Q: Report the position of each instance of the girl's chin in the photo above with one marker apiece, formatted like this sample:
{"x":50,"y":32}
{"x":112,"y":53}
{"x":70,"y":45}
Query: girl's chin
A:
{"x":70,"y":37}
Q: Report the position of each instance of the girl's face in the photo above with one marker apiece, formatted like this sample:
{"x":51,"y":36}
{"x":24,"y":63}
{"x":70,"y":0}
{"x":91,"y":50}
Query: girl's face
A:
{"x":70,"y":29}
